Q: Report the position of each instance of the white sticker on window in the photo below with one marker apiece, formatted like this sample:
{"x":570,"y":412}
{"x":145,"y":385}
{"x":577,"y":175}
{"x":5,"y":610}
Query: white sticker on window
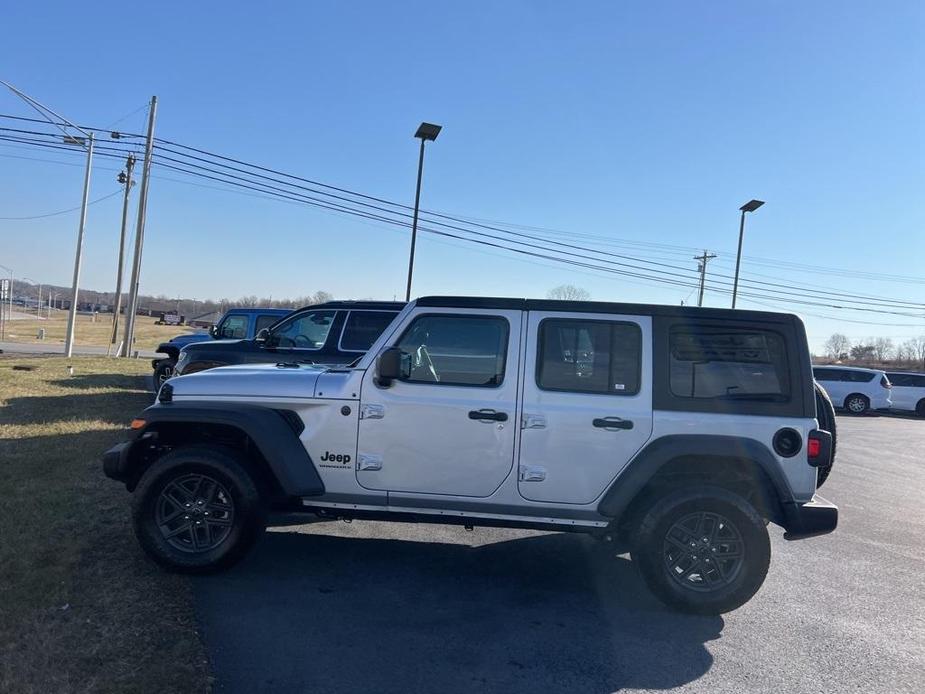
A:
{"x":619,"y":386}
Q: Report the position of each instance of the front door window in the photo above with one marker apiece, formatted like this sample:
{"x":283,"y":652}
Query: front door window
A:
{"x":303,"y":331}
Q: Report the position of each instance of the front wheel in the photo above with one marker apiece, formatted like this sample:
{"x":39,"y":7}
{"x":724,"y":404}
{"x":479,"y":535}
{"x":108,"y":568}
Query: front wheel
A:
{"x":703,"y":550}
{"x":920,"y":408}
{"x":197,"y":509}
{"x":162,"y":372}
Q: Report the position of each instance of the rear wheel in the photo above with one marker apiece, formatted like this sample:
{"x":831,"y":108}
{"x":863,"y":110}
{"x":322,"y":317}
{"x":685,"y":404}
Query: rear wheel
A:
{"x":196,"y":510}
{"x":825,"y":415}
{"x":857,"y":404}
{"x":920,"y":408}
{"x":703,"y":550}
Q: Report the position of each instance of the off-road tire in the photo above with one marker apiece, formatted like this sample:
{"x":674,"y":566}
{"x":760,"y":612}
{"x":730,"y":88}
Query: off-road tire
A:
{"x":163,"y":371}
{"x":825,"y":415}
{"x":857,"y":404}
{"x":246,"y":518}
{"x":656,"y":555}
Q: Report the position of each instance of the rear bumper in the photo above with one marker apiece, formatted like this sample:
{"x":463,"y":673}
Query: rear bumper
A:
{"x":816,"y":517}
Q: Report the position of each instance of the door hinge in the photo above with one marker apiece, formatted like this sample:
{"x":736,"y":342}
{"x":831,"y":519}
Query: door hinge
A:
{"x":372,"y":411}
{"x":369,"y":462}
{"x":532,"y":473}
{"x":532,"y":421}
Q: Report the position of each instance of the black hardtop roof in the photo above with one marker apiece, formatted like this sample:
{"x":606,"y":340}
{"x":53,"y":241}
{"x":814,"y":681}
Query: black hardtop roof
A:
{"x":599,"y":307}
{"x":368,"y":305}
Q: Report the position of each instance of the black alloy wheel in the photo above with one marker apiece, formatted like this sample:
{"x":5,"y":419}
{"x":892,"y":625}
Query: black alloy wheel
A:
{"x":194,"y":513}
{"x":703,"y":551}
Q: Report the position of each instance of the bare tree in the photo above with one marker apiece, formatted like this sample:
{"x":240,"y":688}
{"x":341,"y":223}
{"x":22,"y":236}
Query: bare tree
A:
{"x":883,"y":348}
{"x":568,"y":292}
{"x":837,"y":346}
{"x":913,"y":350}
{"x":862,"y":353}
{"x":321,"y":297}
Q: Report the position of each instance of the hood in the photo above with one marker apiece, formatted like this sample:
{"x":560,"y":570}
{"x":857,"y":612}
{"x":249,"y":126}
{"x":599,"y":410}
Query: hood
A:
{"x":185,"y":337}
{"x":197,"y":345}
{"x":250,"y":380}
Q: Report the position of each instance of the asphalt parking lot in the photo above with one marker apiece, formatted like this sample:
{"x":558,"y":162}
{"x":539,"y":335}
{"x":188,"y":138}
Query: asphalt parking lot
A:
{"x":367,"y":607}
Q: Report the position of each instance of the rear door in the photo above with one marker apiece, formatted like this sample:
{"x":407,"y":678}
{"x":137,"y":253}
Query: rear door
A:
{"x":448,"y":425}
{"x":833,"y":380}
{"x":587,"y":403}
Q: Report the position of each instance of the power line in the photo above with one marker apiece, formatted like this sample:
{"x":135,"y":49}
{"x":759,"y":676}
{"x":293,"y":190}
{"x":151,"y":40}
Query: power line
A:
{"x":55,"y":214}
{"x":387,"y":212}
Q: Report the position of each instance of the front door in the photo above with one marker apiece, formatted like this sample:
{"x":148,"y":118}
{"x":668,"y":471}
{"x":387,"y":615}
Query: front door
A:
{"x":448,"y":425}
{"x":587,"y":404}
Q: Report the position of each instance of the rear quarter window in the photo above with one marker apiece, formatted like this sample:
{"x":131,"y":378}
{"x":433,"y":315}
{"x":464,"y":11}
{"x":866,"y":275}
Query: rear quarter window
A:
{"x":747,"y":364}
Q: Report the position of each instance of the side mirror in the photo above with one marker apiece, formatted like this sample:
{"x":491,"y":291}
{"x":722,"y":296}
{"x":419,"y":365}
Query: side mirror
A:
{"x":261,"y":336}
{"x":213,"y":331}
{"x":388,"y":367}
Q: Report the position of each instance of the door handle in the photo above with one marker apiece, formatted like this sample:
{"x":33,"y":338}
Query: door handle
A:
{"x":612,"y":423}
{"x":488,"y":415}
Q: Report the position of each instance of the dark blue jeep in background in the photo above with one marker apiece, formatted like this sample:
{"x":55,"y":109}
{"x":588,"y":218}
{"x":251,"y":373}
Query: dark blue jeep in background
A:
{"x":236,"y":324}
{"x":335,"y":332}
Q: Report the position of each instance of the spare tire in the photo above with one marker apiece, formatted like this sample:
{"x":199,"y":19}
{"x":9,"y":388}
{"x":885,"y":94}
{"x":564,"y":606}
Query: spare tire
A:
{"x":825,"y":415}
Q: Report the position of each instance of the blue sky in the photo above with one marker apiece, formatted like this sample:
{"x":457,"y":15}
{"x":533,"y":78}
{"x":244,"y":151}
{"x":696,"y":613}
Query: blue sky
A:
{"x":618,"y":124}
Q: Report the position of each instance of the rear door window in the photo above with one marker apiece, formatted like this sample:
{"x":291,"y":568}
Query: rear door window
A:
{"x":363,"y":328}
{"x":828,"y":374}
{"x":728,"y":364}
{"x":589,"y":356}
{"x":860,"y":376}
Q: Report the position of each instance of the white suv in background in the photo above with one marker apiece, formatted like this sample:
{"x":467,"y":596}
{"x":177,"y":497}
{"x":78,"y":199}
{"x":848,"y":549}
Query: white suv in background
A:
{"x":855,"y":389}
{"x":908,"y":391}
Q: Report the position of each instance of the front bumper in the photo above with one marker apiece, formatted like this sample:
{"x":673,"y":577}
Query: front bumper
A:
{"x":116,"y":462}
{"x":816,"y":517}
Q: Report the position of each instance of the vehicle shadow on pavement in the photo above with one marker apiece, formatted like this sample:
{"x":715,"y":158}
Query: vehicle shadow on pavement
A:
{"x":542,"y":613}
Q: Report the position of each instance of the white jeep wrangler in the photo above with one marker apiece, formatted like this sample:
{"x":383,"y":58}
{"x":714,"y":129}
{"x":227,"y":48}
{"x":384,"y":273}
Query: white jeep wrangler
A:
{"x":675,"y":433}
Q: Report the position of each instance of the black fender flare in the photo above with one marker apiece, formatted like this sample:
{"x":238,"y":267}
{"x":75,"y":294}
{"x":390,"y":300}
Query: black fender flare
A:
{"x":172,"y":351}
{"x":275,"y":432}
{"x":646,"y":464}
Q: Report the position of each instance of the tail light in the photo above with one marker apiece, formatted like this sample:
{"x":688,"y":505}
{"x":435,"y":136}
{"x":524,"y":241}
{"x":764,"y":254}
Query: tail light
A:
{"x":818,"y":448}
{"x":885,"y":382}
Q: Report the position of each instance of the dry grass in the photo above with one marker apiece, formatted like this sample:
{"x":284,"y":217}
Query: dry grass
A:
{"x":91,"y":332}
{"x":81,"y":609}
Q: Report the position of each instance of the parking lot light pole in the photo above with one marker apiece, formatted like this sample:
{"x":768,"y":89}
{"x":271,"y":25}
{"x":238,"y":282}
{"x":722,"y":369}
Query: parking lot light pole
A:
{"x":750,"y":206}
{"x":426,"y":131}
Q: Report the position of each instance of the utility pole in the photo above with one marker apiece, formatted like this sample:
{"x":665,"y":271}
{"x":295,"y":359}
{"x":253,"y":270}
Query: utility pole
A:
{"x":126,"y":178}
{"x":139,"y":233}
{"x":63,"y":124}
{"x":75,"y":290}
{"x":702,"y":268}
